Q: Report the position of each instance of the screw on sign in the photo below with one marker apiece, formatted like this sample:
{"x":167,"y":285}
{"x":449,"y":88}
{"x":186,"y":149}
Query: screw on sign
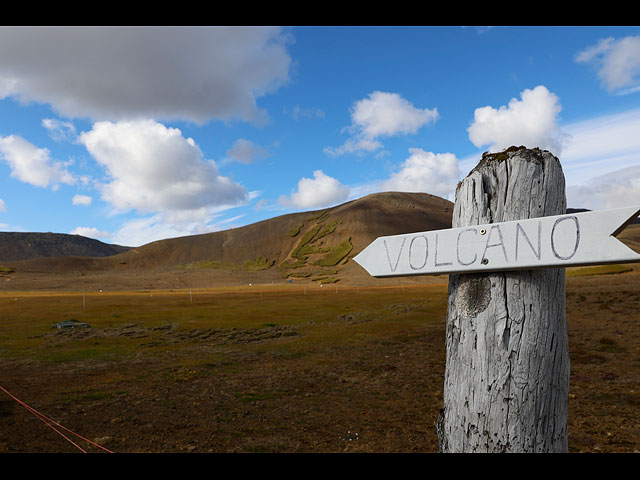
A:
{"x":506,"y":381}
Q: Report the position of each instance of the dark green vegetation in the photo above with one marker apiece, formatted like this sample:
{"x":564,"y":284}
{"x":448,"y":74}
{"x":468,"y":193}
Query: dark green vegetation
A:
{"x":335,"y":254}
{"x":296,"y":230}
{"x":6,"y":270}
{"x":258,"y":264}
{"x":313,"y":250}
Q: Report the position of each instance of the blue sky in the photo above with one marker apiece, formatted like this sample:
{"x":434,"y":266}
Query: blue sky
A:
{"x":131,"y":135}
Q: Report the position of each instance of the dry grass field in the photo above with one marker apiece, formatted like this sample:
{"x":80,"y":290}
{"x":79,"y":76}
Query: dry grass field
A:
{"x":269,"y":338}
{"x":284,"y":367}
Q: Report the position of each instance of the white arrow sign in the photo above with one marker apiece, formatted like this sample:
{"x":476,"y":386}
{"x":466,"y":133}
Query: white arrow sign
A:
{"x":559,"y":241}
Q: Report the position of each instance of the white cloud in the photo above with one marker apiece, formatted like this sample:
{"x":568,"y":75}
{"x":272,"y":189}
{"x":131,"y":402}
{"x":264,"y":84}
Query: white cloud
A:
{"x":427,"y":172}
{"x":58,"y":129}
{"x":382,"y":114}
{"x":31,"y":164}
{"x":600,"y":157}
{"x":3,"y":206}
{"x":140,"y":231}
{"x":600,"y":145}
{"x":617,"y":62}
{"x":298,"y":113}
{"x":617,"y":189}
{"x":81,"y":200}
{"x":386,"y":114}
{"x":152,"y":168}
{"x":245,"y":151}
{"x":319,"y":191}
{"x":434,"y":173}
{"x":354,"y":145}
{"x":229,"y":221}
{"x":592,"y":147}
{"x":531,"y":121}
{"x":7,"y":86}
{"x":260,"y":204}
{"x":90,"y":232}
{"x":117,"y":73}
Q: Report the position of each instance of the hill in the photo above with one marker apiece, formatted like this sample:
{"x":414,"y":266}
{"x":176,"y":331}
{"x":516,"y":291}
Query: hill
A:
{"x":27,"y":245}
{"x":316,"y":245}
{"x":297,"y":240}
{"x":313,"y":247}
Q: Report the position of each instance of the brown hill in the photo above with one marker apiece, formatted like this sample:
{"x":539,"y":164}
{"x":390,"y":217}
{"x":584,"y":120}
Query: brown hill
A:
{"x":630,"y":236}
{"x":26,"y":245}
{"x":298,"y":241}
{"x":313,"y":245}
{"x":309,"y":247}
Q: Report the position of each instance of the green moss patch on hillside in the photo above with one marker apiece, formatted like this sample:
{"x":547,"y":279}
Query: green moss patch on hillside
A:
{"x":336,"y":254}
{"x":259,"y":263}
{"x":299,"y":253}
{"x":309,"y":245}
{"x":323,"y":280}
{"x":6,"y":270}
{"x":296,"y":230}
{"x":203,"y":264}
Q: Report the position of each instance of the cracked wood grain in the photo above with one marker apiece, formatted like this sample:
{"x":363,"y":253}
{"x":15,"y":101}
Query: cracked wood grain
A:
{"x":507,"y":363}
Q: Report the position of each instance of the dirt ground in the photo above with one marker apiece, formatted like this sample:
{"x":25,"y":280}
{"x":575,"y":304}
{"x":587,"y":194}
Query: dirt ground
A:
{"x":365,"y":380}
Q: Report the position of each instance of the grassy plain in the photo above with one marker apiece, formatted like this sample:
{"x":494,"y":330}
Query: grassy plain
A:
{"x":283,"y":368}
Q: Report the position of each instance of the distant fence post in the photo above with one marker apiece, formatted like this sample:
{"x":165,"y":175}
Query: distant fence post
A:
{"x":506,"y":382}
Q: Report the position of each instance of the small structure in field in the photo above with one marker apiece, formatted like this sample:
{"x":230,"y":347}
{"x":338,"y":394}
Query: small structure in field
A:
{"x":71,"y":324}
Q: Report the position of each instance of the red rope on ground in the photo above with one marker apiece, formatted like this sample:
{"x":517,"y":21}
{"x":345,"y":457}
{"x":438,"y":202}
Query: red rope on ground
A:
{"x":49,"y":422}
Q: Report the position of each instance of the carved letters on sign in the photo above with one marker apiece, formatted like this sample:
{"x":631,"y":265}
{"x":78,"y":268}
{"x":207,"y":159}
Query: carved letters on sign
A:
{"x":557,"y":241}
{"x":418,"y":250}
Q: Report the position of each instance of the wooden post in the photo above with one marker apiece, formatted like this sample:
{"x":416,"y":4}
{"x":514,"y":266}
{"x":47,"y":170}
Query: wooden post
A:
{"x":506,"y":385}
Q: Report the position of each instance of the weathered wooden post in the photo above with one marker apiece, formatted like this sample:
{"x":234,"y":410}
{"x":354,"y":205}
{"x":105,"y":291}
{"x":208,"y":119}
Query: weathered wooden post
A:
{"x":506,"y":385}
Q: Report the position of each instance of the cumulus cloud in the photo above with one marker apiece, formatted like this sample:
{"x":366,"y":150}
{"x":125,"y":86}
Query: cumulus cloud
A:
{"x":530,"y":121}
{"x":382,"y":114}
{"x":153,"y":168}
{"x":319,"y":191}
{"x":386,"y":114}
{"x":33,"y":165}
{"x":90,"y":232}
{"x":434,"y":173}
{"x":84,"y":200}
{"x":245,"y":151}
{"x":3,"y":207}
{"x":117,"y":73}
{"x":59,"y":129}
{"x":617,"y":62}
{"x":617,"y":189}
